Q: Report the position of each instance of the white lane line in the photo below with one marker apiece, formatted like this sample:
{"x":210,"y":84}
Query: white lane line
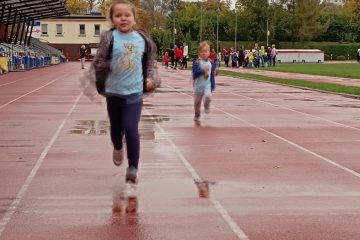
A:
{"x":293,"y":144}
{"x":340,"y":214}
{"x":296,"y":111}
{"x":223,"y":212}
{"x":19,"y":196}
{"x":56,"y":79}
{"x":104,"y":209}
{"x":12,"y":82}
{"x":293,"y":110}
{"x":356,"y":174}
{"x":232,"y":224}
{"x":71,"y":198}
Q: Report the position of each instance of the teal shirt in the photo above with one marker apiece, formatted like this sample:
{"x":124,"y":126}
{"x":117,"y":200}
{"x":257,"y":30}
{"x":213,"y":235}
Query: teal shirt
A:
{"x":126,"y":76}
{"x":202,"y":84}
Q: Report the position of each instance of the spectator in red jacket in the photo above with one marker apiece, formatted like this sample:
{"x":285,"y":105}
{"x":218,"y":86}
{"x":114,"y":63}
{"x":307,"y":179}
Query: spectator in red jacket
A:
{"x":178,"y":56}
{"x":212,"y":56}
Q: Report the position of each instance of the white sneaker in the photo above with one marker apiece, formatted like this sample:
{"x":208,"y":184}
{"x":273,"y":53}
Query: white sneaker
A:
{"x":207,"y":116}
{"x":118,"y":157}
{"x":131,"y":175}
{"x":207,"y":113}
{"x":129,"y":190}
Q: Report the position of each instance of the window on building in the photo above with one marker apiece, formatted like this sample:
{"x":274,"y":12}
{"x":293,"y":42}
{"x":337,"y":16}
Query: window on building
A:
{"x":82,"y":29}
{"x":97,"y":29}
{"x":44,"y":29}
{"x":59,"y":29}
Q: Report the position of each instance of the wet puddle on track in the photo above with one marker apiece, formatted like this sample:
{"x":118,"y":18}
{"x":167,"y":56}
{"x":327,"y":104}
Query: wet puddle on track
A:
{"x":101,"y":127}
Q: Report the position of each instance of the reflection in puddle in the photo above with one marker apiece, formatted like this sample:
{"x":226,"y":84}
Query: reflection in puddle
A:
{"x":90,"y":127}
{"x":174,"y":91}
{"x":154,"y":118}
{"x":147,"y":125}
{"x":223,"y":84}
{"x":303,"y":100}
{"x":345,"y":106}
{"x":203,"y":187}
{"x":147,"y":133}
{"x":148,"y":106}
{"x":124,"y":210}
{"x":97,"y":127}
{"x":152,"y":106}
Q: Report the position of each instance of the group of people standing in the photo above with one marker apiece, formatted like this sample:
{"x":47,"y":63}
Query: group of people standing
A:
{"x":254,"y":58}
{"x":260,"y":56}
{"x":177,"y":56}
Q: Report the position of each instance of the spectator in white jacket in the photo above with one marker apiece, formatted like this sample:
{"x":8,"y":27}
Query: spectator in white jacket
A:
{"x":274,"y":53}
{"x":185,"y":54}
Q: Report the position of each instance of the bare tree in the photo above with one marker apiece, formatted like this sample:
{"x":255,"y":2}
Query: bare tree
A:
{"x":157,"y":10}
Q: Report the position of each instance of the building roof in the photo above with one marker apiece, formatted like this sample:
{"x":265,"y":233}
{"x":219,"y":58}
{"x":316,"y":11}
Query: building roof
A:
{"x":86,"y":17}
{"x":14,"y":11}
{"x":37,"y":44}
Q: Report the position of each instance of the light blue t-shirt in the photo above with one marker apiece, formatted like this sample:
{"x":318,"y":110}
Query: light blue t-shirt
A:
{"x":202,"y":84}
{"x":126,"y":77}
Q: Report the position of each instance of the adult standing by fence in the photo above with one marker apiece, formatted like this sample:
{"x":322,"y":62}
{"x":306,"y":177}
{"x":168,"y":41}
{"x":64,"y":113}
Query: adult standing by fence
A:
{"x":241,"y":57}
{"x":358,"y":55}
{"x":82,"y":56}
{"x":172,"y":56}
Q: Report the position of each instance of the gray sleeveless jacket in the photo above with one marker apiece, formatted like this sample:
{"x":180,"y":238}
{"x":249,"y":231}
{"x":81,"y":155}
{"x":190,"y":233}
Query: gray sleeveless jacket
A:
{"x":102,"y":60}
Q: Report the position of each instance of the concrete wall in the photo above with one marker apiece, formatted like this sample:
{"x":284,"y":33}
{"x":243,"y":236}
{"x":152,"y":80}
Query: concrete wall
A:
{"x":300,"y":56}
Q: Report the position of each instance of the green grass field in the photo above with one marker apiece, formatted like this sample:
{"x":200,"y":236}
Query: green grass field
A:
{"x":347,"y":70}
{"x":329,"y":87}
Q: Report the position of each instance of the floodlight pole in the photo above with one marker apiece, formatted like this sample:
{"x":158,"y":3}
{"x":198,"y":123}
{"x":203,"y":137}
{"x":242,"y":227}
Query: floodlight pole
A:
{"x":174,"y":30}
{"x":267,"y":24}
{"x":217,"y":31}
{"x":201,"y":21}
{"x":235,"y":29}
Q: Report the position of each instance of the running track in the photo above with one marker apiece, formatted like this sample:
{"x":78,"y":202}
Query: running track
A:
{"x":285,"y":163}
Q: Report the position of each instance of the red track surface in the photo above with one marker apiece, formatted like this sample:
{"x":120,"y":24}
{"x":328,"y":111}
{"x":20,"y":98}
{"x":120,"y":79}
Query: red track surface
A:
{"x":285,"y":162}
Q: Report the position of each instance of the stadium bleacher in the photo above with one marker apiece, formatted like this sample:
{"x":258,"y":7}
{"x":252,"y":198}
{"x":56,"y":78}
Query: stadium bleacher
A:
{"x":19,"y":51}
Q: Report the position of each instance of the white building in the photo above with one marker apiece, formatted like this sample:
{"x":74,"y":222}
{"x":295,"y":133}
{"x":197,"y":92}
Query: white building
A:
{"x":336,"y":2}
{"x":68,"y":33}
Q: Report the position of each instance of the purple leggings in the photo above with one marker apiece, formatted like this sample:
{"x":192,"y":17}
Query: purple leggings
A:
{"x":124,"y":119}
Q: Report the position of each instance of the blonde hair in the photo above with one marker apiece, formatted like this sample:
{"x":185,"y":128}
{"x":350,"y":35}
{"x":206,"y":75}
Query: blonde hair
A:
{"x":111,"y":9}
{"x":203,"y":44}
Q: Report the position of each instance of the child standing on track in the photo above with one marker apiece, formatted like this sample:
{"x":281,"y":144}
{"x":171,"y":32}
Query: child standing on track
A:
{"x":203,"y":71}
{"x":131,"y":73}
{"x":166,"y":59}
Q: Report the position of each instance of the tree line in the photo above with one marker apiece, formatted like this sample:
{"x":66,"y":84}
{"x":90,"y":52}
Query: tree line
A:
{"x":285,"y":20}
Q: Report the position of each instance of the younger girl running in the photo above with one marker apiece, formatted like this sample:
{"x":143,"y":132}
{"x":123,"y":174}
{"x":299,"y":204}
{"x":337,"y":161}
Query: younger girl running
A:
{"x":203,"y":70}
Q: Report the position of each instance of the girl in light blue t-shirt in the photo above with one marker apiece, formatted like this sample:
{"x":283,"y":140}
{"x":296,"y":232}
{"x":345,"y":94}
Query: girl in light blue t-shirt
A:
{"x":130,"y":73}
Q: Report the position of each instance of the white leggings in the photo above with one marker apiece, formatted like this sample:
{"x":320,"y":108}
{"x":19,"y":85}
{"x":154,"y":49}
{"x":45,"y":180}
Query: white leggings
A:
{"x":197,"y":102}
